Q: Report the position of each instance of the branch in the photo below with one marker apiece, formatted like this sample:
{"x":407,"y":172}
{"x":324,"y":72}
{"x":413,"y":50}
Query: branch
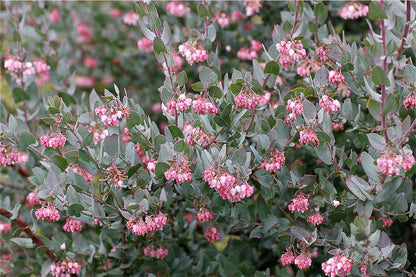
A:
{"x":406,"y":28}
{"x":34,"y":238}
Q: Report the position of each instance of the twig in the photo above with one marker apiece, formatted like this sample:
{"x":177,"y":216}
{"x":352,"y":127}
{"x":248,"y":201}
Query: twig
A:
{"x":406,"y":28}
{"x":34,"y":238}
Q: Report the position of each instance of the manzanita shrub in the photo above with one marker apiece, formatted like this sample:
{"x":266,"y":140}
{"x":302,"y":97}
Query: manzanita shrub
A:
{"x":214,"y":138}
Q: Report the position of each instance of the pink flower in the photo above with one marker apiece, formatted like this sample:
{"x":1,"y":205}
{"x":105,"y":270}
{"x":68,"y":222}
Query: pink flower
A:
{"x":49,"y":213}
{"x":12,"y":156}
{"x":308,"y":136}
{"x":237,"y":16}
{"x":65,"y":268}
{"x":84,"y":81}
{"x":55,"y":16}
{"x":115,"y":176}
{"x":73,"y":225}
{"x":193,"y":51}
{"x":337,"y":126}
{"x":115,"y":13}
{"x":197,"y":136}
{"x":336,"y":203}
{"x":303,"y":261}
{"x":274,"y":163}
{"x":299,"y":204}
{"x":222,"y":19}
{"x":353,"y":10}
{"x":307,"y":66}
{"x":252,"y":6}
{"x":179,"y":172}
{"x":387,"y":222}
{"x":145,"y":44}
{"x":329,"y":105}
{"x":156,"y":253}
{"x":212,"y":234}
{"x":290,"y":51}
{"x":315,"y":219}
{"x":177,"y":8}
{"x":336,"y":77}
{"x":321,"y":52}
{"x":181,"y":104}
{"x":202,"y":106}
{"x":294,"y":107}
{"x":288,"y":257}
{"x":84,"y":33}
{"x":57,"y":141}
{"x":90,"y":62}
{"x":5,"y":226}
{"x":131,"y":18}
{"x":111,"y":117}
{"x":204,"y":215}
{"x":410,"y":101}
{"x":338,"y":265}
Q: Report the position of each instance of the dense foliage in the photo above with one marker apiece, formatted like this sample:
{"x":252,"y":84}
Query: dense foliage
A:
{"x":247,"y":138}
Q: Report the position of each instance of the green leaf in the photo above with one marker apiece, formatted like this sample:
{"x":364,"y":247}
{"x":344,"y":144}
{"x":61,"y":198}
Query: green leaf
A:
{"x":321,"y":13}
{"x":23,"y":242}
{"x":359,"y":187}
{"x":27,"y":139}
{"x":198,"y":86}
{"x":133,"y":169}
{"x":410,"y":73}
{"x":154,"y":21}
{"x":378,"y":76}
{"x":375,"y":108}
{"x":272,"y":67}
{"x":16,"y":37}
{"x":160,"y":169}
{"x":133,"y":120}
{"x":369,"y":167}
{"x":20,"y":95}
{"x":175,"y":131}
{"x":236,"y":88}
{"x":377,"y":11}
{"x":60,"y":162}
{"x":140,"y":9}
{"x":37,"y":11}
{"x":159,"y":46}
{"x":182,"y":78}
{"x":377,"y":142}
{"x":87,"y":140}
{"x":203,"y":11}
{"x":389,"y":104}
{"x":75,"y":209}
{"x":53,"y":110}
{"x":215,"y":92}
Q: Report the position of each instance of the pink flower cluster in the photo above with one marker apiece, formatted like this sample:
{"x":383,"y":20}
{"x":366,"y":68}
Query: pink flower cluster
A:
{"x":198,"y":136}
{"x":290,"y":51}
{"x":57,"y":141}
{"x":84,"y":81}
{"x":81,"y":171}
{"x":389,"y":162}
{"x":227,"y":185}
{"x":410,"y":101}
{"x":353,"y":10}
{"x":32,"y":199}
{"x":338,"y":265}
{"x":98,"y":134}
{"x":150,"y":224}
{"x":11,"y":156}
{"x":223,"y":19}
{"x":65,"y":268}
{"x":337,"y":126}
{"x":275,"y":163}
{"x":321,"y":52}
{"x":55,"y":16}
{"x":303,"y":261}
{"x":307,"y":66}
{"x":179,"y":172}
{"x":193,"y":51}
{"x":299,"y":204}
{"x":115,"y":176}
{"x":202,"y":106}
{"x":212,"y":234}
{"x":158,"y":253}
{"x":145,"y":44}
{"x":294,"y":107}
{"x":251,"y":53}
{"x":49,"y":213}
{"x":84,"y":33}
{"x":5,"y":226}
{"x":73,"y":225}
{"x":90,"y":62}
{"x":204,"y":215}
{"x":181,"y":104}
{"x":329,"y":105}
{"x":139,"y":151}
{"x":387,"y":222}
{"x":125,"y":135}
{"x":42,"y":68}
{"x":131,"y":18}
{"x":336,"y":77}
{"x":249,"y":101}
{"x":177,"y":8}
{"x":315,"y":219}
{"x":252,"y":6}
{"x":308,"y":136}
{"x":112,"y":116}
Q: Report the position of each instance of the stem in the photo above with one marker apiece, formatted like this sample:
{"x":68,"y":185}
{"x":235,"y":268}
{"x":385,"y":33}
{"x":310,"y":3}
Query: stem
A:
{"x":215,"y":137}
{"x":296,"y":17}
{"x":410,"y":130}
{"x":251,"y":121}
{"x":406,"y":28}
{"x":34,"y":238}
{"x":383,"y":86}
